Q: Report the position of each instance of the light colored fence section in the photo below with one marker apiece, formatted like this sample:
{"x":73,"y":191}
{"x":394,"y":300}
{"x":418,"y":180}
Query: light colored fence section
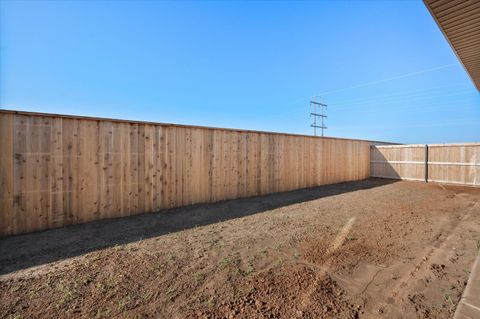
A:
{"x":398,"y":162}
{"x":62,"y":170}
{"x":443,"y":163}
{"x":455,"y":163}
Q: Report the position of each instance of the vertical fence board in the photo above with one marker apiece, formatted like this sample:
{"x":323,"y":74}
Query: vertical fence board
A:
{"x":19,"y":213}
{"x":6,"y":174}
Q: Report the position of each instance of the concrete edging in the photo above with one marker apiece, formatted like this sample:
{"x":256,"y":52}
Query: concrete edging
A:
{"x":469,"y":305}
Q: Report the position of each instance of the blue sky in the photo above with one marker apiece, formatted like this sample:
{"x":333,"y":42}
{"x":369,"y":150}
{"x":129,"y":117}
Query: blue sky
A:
{"x":384,"y":68}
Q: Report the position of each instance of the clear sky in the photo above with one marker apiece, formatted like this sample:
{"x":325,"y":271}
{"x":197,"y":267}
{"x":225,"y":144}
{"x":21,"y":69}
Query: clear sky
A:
{"x":384,"y":68}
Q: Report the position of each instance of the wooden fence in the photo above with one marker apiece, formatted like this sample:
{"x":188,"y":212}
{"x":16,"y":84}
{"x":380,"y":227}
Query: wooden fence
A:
{"x":58,"y":170}
{"x":443,"y":163}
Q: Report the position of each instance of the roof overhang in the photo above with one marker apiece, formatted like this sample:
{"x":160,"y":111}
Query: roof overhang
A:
{"x":459,"y":21}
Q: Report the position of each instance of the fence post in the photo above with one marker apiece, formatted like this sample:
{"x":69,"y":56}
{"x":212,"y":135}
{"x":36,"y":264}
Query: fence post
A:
{"x":426,"y":163}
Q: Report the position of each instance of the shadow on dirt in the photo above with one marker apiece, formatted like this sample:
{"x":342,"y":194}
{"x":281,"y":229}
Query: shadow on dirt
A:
{"x":23,"y":251}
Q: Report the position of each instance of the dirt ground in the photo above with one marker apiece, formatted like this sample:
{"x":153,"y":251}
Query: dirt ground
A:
{"x":365,"y":249}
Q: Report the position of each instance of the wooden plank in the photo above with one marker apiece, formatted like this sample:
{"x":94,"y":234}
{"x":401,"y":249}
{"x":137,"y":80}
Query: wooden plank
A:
{"x":187,"y":169}
{"x":88,"y":169}
{"x":38,"y":178}
{"x":170,"y":170}
{"x":164,"y":168}
{"x":57,"y":212}
{"x":70,"y":170}
{"x":116,"y":173}
{"x":148,"y":168}
{"x":19,"y":218}
{"x":133,"y":194}
{"x":6,"y":174}
{"x":156,"y":169}
{"x":210,"y":159}
{"x":126,"y":130}
{"x":106,"y":158}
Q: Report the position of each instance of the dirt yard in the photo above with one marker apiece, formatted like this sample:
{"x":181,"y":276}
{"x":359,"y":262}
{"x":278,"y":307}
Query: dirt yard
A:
{"x":366,"y":249}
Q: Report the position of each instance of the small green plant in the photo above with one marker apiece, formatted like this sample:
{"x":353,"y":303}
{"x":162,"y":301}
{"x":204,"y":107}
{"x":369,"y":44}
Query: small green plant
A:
{"x":296,"y":255}
{"x":199,"y":277}
{"x":147,"y":295}
{"x":171,"y":293}
{"x":225,"y":262}
{"x":68,"y":294}
{"x":447,"y":296}
{"x":280,"y":261}
{"x":49,"y":281}
{"x":119,"y":247}
{"x":156,"y":265}
{"x":106,"y":286}
{"x":15,"y":289}
{"x":123,"y":303}
{"x":249,"y":270}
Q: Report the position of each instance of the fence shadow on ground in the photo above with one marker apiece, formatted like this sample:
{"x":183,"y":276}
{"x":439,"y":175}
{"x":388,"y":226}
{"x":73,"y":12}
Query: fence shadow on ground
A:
{"x":24,"y":251}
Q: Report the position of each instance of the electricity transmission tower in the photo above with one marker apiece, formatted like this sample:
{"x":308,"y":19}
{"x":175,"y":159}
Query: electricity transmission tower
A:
{"x":318,"y":113}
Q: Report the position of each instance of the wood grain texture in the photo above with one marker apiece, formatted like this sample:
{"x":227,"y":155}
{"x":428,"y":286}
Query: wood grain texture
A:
{"x":399,"y":162}
{"x":447,"y":163}
{"x":60,"y":170}
{"x":456,"y":164}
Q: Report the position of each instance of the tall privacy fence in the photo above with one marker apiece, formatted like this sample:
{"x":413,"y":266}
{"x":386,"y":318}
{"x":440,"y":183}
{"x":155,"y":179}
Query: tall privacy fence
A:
{"x":58,"y":170}
{"x":443,"y":163}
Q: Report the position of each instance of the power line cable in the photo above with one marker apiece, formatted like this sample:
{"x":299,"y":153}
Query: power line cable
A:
{"x":378,"y":81}
{"x":401,"y":94}
{"x":389,"y":79}
{"x":385,"y":103}
{"x":430,"y":124}
{"x":404,"y":99}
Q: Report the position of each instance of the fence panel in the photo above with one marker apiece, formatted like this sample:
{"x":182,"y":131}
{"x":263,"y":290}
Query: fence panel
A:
{"x":58,"y":170}
{"x":456,"y":164}
{"x":398,"y":162}
{"x":443,"y":163}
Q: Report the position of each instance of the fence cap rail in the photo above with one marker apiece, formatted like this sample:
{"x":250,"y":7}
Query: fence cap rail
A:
{"x":429,"y":145}
{"x":398,"y":146}
{"x":455,"y":144}
{"x":92,"y":118}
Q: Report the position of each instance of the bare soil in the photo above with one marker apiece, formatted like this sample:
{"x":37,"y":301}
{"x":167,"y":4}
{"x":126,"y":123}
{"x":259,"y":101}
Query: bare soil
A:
{"x":365,"y":249}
